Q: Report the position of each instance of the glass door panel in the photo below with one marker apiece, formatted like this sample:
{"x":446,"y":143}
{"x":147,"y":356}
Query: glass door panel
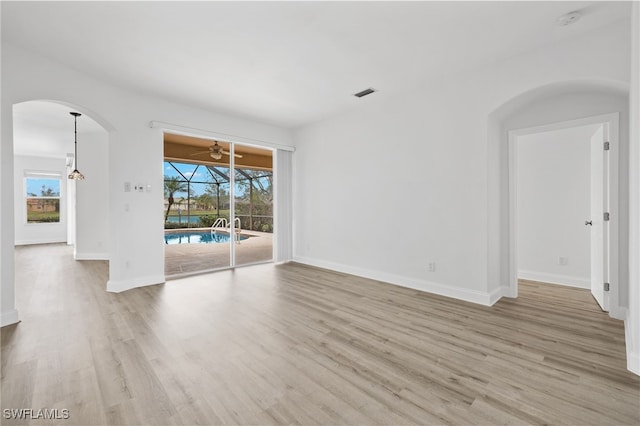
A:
{"x":197,"y":203}
{"x":218,"y":205}
{"x":253,"y":205}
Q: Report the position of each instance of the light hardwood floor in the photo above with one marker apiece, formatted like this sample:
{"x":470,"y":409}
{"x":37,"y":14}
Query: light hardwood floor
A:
{"x":292,"y":344}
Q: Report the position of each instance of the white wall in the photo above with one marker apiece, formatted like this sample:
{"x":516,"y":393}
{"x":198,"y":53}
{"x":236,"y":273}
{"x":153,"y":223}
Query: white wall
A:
{"x":38,"y":233}
{"x":8,"y":311}
{"x":414,"y":178}
{"x":92,"y":198}
{"x":136,"y":252}
{"x":553,"y":202}
{"x":632,"y":323}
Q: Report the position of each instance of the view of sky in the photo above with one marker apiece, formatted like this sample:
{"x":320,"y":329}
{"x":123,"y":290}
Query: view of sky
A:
{"x":198,"y":174}
{"x":36,"y":186}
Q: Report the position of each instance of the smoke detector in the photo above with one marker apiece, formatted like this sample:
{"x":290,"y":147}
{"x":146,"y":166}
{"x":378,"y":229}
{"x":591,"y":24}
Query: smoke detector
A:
{"x":568,"y":19}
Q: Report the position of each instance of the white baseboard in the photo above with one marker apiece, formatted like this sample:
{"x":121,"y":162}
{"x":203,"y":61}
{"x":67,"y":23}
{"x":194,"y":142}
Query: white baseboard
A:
{"x":91,"y":256}
{"x":40,"y":241}
{"x":467,"y":295}
{"x":633,"y":356}
{"x":619,"y":313}
{"x":9,"y":317}
{"x":117,"y":286}
{"x":545,"y":277}
{"x":498,"y":294}
{"x":633,"y":362}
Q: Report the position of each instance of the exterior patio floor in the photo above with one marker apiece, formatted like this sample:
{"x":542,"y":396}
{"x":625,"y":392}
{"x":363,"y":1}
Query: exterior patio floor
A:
{"x":190,"y":258}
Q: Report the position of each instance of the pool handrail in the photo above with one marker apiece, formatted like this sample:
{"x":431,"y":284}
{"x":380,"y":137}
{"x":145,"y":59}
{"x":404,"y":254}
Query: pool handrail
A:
{"x":220,"y":222}
{"x":237,"y":227}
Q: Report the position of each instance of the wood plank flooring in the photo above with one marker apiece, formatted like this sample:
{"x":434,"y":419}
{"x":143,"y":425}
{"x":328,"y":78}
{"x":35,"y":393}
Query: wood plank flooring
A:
{"x":292,"y":344}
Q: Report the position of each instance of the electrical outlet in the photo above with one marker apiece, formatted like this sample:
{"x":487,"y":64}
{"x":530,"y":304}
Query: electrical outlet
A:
{"x":562,"y":260}
{"x":431,"y":266}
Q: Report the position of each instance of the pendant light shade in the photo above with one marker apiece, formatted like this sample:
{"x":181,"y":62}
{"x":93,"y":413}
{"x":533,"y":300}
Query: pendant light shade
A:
{"x":75,"y":174}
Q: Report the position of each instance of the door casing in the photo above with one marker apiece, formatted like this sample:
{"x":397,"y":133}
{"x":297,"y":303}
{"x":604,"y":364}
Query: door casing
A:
{"x":612,"y":121}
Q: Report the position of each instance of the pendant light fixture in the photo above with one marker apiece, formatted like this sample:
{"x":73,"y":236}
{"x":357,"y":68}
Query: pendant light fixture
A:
{"x":75,"y":174}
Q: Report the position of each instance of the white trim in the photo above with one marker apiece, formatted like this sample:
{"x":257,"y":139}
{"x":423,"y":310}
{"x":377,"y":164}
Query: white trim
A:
{"x":8,"y":318}
{"x":632,"y":323}
{"x":579,"y":122}
{"x":232,"y":204}
{"x":40,"y":241}
{"x":612,"y":126}
{"x":633,"y":357}
{"x":91,"y":256}
{"x":513,"y":216}
{"x":474,"y":296}
{"x":123,"y":285}
{"x":223,"y":137}
{"x":619,"y":313}
{"x":633,"y":362}
{"x":498,"y":294}
{"x":612,"y":120}
{"x":567,"y":280}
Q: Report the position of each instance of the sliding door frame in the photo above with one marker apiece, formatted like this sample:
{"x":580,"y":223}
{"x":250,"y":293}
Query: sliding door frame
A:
{"x":232,"y":141}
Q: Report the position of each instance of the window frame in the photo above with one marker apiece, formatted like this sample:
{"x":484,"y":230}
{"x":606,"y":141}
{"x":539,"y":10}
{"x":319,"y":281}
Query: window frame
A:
{"x":49,"y":175}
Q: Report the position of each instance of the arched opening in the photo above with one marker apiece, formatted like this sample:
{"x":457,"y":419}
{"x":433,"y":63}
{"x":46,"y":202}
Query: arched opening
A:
{"x":49,"y":207}
{"x":544,"y":106}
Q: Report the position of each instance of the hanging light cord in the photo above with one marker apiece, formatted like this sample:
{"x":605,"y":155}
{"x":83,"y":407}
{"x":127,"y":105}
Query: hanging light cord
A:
{"x":75,"y":174}
{"x":75,"y":140}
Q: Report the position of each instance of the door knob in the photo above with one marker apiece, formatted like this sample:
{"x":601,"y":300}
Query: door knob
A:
{"x":588,"y":222}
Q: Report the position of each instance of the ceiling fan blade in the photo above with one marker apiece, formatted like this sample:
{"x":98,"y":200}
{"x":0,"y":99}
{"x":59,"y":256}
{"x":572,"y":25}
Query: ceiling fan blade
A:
{"x":200,"y":152}
{"x":228,"y":153}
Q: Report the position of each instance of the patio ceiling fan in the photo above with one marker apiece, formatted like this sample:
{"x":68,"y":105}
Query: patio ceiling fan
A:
{"x":215,"y":151}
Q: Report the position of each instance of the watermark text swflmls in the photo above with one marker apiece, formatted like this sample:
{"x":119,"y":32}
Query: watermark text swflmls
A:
{"x":36,"y":413}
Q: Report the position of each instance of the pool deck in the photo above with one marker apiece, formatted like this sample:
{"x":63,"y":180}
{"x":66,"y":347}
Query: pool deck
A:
{"x":191,"y":258}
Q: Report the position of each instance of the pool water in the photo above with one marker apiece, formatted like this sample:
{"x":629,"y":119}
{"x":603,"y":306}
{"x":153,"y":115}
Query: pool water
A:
{"x":198,"y":237}
{"x":183,"y":219}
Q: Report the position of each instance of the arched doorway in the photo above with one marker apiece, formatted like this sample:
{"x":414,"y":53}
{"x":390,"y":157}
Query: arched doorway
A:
{"x":560,"y":102}
{"x":49,"y":207}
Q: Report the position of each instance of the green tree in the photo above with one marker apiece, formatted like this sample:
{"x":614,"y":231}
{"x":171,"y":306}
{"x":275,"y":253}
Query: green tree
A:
{"x":205,"y":201}
{"x":262,"y":183}
{"x":48,"y":192}
{"x":171,"y":186}
{"x":255,"y":197}
{"x":219,"y":193}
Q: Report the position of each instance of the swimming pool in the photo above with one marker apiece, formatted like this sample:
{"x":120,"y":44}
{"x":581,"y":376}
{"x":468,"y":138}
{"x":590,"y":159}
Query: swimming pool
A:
{"x":183,"y":219}
{"x":198,"y":237}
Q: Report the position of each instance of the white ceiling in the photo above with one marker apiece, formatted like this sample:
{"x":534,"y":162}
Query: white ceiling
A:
{"x":46,"y":129}
{"x":287,"y":63}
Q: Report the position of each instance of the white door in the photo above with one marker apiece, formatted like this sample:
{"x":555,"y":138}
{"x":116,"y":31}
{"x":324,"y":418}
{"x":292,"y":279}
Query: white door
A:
{"x":599,"y":227}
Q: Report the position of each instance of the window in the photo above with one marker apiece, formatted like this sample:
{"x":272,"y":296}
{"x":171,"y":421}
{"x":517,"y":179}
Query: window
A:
{"x":42,"y":199}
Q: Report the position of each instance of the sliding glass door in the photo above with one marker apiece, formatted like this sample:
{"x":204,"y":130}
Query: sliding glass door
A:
{"x":197,"y":202}
{"x":253,"y":205}
{"x":218,"y":209}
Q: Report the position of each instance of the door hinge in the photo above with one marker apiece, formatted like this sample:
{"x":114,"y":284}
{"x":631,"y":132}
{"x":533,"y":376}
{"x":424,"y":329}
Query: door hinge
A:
{"x":606,"y":146}
{"x":606,"y":286}
{"x":606,"y":216}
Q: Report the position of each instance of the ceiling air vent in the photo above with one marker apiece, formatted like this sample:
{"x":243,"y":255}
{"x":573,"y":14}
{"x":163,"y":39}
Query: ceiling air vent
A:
{"x":365,"y":92}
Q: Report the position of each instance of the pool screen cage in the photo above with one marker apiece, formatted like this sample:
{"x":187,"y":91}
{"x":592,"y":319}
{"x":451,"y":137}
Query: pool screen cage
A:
{"x":197,"y":194}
